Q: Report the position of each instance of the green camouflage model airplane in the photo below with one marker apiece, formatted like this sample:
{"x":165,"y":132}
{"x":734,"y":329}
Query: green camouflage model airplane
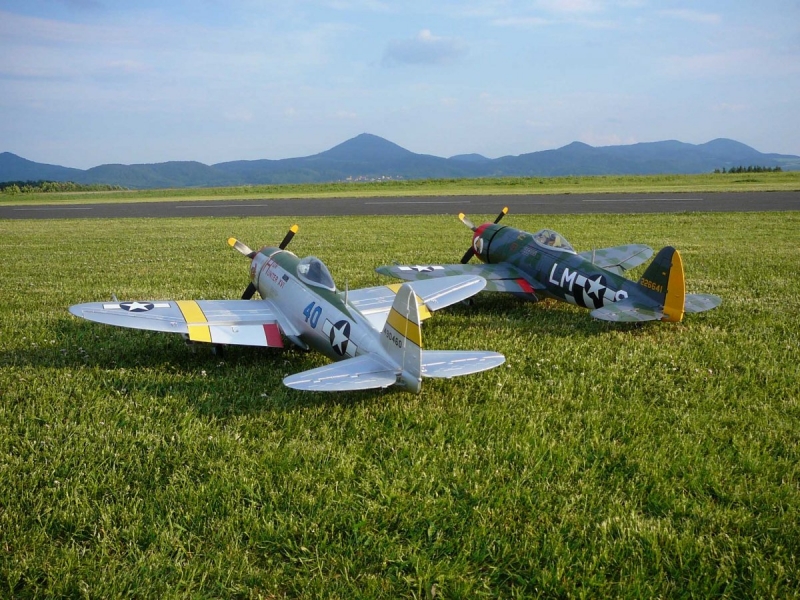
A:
{"x":373,"y":333}
{"x":544,"y":265}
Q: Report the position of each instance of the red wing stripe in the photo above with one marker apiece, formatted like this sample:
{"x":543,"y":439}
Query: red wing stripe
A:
{"x":526,"y":287}
{"x":273,"y":333}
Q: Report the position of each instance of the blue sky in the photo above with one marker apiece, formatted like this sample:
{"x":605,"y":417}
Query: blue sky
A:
{"x":88,"y":82}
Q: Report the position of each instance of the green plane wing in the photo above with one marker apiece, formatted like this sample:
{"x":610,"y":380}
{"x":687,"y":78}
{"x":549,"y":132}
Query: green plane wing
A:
{"x":499,"y":278}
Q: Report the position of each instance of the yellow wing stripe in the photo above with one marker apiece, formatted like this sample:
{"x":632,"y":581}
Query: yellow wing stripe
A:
{"x":674,"y":303}
{"x":404,"y":327}
{"x":194,"y":315}
{"x":424,"y":313}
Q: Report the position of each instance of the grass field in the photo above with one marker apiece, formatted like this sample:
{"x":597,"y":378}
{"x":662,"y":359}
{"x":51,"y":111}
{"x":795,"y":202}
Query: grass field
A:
{"x":709,"y":182}
{"x":600,"y":461}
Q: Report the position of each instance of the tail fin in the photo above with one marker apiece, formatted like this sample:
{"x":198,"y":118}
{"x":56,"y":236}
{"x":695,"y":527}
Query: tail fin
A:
{"x":402,"y":338}
{"x":664,"y":281}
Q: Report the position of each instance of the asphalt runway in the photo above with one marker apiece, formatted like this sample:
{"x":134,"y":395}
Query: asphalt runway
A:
{"x":420,"y":205}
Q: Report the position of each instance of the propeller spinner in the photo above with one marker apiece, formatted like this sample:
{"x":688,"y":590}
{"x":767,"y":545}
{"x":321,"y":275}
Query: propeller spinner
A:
{"x":462,"y":217}
{"x":245,"y":249}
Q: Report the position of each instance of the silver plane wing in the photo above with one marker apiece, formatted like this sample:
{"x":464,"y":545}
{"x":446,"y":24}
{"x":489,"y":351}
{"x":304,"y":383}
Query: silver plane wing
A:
{"x":235,"y":322}
{"x":432,"y":294}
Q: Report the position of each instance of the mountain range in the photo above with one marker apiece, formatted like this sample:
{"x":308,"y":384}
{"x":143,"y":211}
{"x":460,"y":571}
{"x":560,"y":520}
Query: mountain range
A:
{"x":368,"y":157}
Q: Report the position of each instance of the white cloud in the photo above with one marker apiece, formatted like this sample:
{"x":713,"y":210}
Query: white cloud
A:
{"x":423,"y":49}
{"x":34,"y":30}
{"x":346,"y":115}
{"x":238,"y":115}
{"x":605,"y":139}
{"x":572,"y":6}
{"x":521,"y":22}
{"x":692,"y":16}
{"x":359,"y":5}
{"x":744,"y":62}
{"x":727,"y":107}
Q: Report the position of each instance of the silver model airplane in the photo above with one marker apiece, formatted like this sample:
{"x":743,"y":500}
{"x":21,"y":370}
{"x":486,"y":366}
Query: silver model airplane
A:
{"x":373,"y":333}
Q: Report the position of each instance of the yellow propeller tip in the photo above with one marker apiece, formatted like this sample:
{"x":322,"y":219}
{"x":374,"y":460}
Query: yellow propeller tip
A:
{"x":231,"y":242}
{"x":505,"y":210}
{"x":294,"y":228}
{"x":461,"y":215}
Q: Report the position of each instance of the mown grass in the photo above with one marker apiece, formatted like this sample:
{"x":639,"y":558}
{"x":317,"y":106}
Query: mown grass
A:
{"x":602,"y":460}
{"x":709,"y":182}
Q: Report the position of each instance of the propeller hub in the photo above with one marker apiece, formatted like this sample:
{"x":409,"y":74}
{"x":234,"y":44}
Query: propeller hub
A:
{"x":477,"y":239}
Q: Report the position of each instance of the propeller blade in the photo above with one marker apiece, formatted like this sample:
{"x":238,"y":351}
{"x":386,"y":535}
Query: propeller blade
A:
{"x":241,"y":247}
{"x":469,"y":254}
{"x":463,"y":218}
{"x":502,"y":214}
{"x":248,"y":293}
{"x":288,"y":238}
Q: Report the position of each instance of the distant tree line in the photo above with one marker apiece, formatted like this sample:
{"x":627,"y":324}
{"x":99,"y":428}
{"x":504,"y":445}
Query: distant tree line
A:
{"x":29,"y":187}
{"x":750,"y":169}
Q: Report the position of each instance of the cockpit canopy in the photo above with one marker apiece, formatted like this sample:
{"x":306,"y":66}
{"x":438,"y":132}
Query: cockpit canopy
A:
{"x":553,"y":239}
{"x":313,"y":271}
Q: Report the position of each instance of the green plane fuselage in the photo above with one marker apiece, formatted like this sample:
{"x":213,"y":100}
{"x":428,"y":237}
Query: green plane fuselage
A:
{"x":550,"y":261}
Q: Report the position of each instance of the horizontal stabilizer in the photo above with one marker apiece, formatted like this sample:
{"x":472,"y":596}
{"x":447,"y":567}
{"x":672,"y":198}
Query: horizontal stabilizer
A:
{"x":451,"y":363}
{"x":440,"y":293}
{"x":696,"y":303}
{"x":619,"y":258}
{"x":360,"y":373}
{"x":620,"y":312}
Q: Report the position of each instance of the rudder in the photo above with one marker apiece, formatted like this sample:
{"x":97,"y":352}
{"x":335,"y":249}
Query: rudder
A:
{"x":402,"y":337}
{"x":664,"y":280}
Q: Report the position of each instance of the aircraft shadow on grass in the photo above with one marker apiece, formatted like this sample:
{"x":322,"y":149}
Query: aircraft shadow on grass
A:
{"x":243,"y":380}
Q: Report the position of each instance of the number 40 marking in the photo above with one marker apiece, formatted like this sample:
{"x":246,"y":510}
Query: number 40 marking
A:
{"x":312,"y":314}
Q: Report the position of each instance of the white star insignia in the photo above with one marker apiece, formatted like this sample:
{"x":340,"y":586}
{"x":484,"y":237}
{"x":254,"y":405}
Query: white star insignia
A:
{"x":136,"y":306}
{"x":595,"y":286}
{"x":339,"y":338}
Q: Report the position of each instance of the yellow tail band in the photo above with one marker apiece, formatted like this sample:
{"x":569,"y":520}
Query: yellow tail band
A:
{"x":408,"y":329}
